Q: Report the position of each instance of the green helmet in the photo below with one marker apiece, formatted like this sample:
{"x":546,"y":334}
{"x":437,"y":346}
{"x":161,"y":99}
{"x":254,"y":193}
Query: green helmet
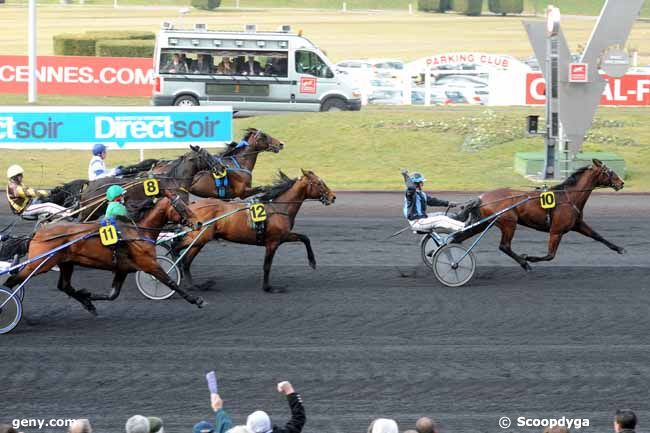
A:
{"x":114,"y":191}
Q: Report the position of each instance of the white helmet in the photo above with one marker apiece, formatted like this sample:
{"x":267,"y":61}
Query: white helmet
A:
{"x":14,"y":170}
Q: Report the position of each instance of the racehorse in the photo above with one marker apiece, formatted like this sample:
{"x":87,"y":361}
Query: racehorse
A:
{"x":240,"y":159}
{"x":282,"y":201}
{"x":572,"y":195}
{"x":136,"y":251}
{"x":174,"y":176}
{"x":67,"y":194}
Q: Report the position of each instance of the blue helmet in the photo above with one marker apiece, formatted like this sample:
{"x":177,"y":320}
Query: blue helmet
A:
{"x":417,"y":178}
{"x":98,"y":149}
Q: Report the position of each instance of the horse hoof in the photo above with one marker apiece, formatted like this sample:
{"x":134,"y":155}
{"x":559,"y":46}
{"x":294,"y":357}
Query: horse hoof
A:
{"x":621,"y":251}
{"x":199,"y":302}
{"x":526,"y":267}
{"x":271,"y":289}
{"x":312,"y":264}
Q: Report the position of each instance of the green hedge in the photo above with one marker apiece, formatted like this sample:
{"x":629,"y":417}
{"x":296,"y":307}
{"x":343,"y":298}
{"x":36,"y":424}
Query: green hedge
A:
{"x":125,"y":48}
{"x":506,"y":6}
{"x":433,"y":5}
{"x":206,"y":4}
{"x":87,"y":44}
{"x":467,"y":7}
{"x":70,"y":44}
{"x":120,"y":34}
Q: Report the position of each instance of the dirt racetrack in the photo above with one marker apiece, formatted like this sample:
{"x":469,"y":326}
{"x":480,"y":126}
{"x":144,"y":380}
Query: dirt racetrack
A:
{"x":370,"y":333}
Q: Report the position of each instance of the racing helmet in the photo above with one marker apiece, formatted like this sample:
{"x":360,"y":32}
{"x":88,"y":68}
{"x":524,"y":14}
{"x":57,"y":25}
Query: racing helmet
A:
{"x":114,"y":191}
{"x":98,"y":149}
{"x":14,"y":170}
{"x":417,"y":177}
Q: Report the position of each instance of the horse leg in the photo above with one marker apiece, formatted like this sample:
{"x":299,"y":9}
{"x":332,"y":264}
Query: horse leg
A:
{"x":271,"y":248}
{"x":297,"y":237}
{"x":116,"y":287}
{"x":65,"y":285}
{"x":150,"y":266}
{"x":553,"y":243}
{"x":188,"y":282}
{"x":584,"y":229}
{"x":507,"y":233}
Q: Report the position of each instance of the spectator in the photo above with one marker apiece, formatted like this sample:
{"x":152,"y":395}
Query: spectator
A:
{"x":624,"y":421}
{"x":141,"y":424}
{"x":225,"y":67}
{"x":202,"y":65}
{"x":80,"y":426}
{"x":259,"y":421}
{"x":425,"y":425}
{"x":383,"y":425}
{"x":176,"y":66}
{"x":222,"y":423}
{"x":251,"y":67}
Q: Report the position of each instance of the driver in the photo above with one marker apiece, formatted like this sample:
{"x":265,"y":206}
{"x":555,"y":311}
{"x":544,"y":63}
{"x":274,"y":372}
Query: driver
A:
{"x":26,"y":201}
{"x":115,"y":196}
{"x":415,"y":207}
{"x":97,"y":168}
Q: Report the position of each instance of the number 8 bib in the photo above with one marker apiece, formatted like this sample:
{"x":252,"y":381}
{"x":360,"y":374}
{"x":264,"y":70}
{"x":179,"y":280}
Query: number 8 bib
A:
{"x":151,"y":187}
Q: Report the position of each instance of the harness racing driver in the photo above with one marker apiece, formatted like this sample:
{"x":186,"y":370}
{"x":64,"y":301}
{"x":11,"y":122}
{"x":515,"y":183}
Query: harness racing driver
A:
{"x":97,"y":168}
{"x":115,"y":197}
{"x":415,"y":208}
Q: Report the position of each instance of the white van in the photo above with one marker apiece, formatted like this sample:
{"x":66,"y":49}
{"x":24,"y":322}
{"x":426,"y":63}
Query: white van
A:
{"x":250,"y":71}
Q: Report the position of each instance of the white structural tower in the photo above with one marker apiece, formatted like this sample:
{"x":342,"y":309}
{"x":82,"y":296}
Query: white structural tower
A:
{"x":32,"y":91}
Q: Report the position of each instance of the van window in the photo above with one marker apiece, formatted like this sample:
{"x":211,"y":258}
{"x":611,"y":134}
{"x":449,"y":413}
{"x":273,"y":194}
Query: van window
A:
{"x":222,"y":62}
{"x":309,"y":63}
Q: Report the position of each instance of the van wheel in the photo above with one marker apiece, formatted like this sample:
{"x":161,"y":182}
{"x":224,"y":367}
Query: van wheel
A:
{"x":186,"y":101}
{"x":334,"y":104}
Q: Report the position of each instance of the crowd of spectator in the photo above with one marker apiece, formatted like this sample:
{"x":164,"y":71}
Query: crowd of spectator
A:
{"x":180,"y":63}
{"x":625,"y":421}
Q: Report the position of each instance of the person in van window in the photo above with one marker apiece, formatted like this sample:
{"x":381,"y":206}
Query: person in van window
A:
{"x":186,"y":60}
{"x":226,"y":66}
{"x":251,"y":67}
{"x":176,"y":66}
{"x":202,"y":65}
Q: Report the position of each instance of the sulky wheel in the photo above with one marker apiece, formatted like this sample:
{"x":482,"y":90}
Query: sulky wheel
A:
{"x":151,"y":288}
{"x":428,"y":247}
{"x":10,"y":312}
{"x":453,"y":265}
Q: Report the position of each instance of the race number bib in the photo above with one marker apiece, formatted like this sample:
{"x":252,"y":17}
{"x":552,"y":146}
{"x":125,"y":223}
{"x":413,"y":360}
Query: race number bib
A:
{"x":151,"y":187}
{"x":108,"y":235}
{"x":258,"y":213}
{"x":219,"y":175}
{"x":547,"y":199}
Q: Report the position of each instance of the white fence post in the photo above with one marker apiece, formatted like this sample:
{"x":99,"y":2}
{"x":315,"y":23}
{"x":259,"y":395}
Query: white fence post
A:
{"x":427,"y":86}
{"x":237,"y":4}
{"x":410,"y":8}
{"x":345,"y":7}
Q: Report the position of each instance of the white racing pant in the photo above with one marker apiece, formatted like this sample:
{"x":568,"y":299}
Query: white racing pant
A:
{"x":436,"y":221}
{"x":45,"y":208}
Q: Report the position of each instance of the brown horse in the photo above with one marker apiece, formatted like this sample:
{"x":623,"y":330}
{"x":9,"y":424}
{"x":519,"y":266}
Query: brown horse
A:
{"x":283,"y":200}
{"x":135,"y":252}
{"x":571,"y":197}
{"x":240,"y":159}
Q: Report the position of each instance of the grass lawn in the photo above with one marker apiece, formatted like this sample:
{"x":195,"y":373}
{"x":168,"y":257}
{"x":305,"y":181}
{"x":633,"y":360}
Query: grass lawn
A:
{"x":365,"y":150}
{"x":360,"y":34}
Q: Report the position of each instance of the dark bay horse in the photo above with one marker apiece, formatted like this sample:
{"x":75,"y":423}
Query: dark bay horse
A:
{"x":175,"y":176}
{"x":571,"y":197}
{"x":67,"y":194}
{"x":240,"y":159}
{"x":135,"y":252}
{"x":283,"y":200}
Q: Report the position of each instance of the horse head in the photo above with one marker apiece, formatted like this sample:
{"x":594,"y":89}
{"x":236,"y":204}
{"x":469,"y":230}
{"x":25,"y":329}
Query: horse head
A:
{"x":177,"y":211}
{"x":317,"y":188}
{"x":606,"y":177}
{"x":260,"y":141}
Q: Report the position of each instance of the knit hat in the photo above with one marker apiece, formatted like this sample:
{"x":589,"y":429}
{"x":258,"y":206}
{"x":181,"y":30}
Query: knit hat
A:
{"x":141,"y":424}
{"x":259,"y":422}
{"x":383,"y":425}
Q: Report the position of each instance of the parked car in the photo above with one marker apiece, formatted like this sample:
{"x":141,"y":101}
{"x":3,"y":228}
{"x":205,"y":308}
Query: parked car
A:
{"x":474,"y":89}
{"x":371,"y":68}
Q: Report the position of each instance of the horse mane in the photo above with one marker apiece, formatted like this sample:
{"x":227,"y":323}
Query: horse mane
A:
{"x":281,"y":185}
{"x":138,"y":209}
{"x":571,"y":180}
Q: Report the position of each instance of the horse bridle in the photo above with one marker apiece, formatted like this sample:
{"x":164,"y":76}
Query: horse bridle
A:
{"x":180,"y":207}
{"x":323,"y":195}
